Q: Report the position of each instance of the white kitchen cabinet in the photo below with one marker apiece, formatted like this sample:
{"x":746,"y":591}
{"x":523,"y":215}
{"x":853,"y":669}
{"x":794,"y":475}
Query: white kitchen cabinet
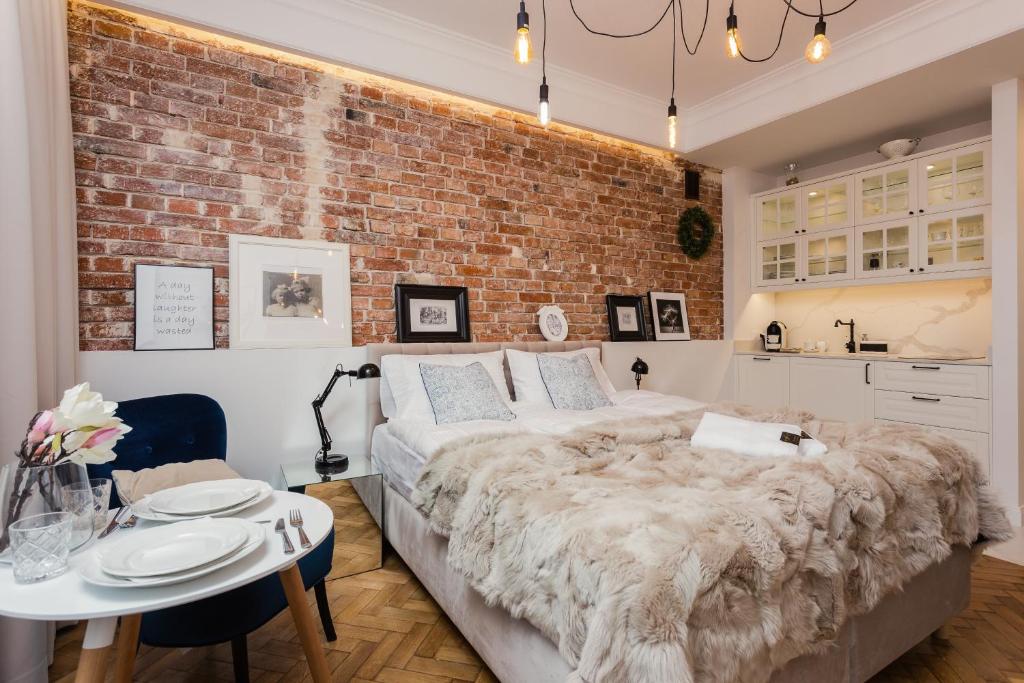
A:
{"x":955,"y":240}
{"x":953,"y":412}
{"x":886,"y":249}
{"x":778,"y":215}
{"x":762,"y":381}
{"x":832,"y":389}
{"x":886,"y":193}
{"x":923,"y":377}
{"x":779,"y":261}
{"x":827,"y":205}
{"x":955,"y":179}
{"x":826,"y":256}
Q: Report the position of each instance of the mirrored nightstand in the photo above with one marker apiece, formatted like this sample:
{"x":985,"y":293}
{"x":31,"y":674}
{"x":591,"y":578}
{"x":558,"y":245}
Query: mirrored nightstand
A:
{"x":356,"y":495}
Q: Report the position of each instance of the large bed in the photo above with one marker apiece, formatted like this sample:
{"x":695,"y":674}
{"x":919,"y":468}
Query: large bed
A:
{"x":518,"y":651}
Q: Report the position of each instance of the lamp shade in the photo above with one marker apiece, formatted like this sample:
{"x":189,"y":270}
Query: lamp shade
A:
{"x":367,"y":371}
{"x":639,"y":367}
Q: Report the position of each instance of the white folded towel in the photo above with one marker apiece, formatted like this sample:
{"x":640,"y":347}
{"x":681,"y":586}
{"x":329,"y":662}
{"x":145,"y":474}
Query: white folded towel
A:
{"x":756,"y":439}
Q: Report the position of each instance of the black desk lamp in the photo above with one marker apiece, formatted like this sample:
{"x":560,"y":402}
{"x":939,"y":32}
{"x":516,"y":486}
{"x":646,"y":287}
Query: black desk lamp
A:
{"x":325,"y":460}
{"x":639,"y":369}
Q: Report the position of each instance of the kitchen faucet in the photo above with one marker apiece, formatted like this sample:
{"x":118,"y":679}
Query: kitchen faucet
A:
{"x":851,"y":345}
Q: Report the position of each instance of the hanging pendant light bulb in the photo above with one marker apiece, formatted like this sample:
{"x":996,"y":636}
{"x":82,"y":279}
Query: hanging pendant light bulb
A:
{"x":543,"y":114}
{"x":524,"y":48}
{"x":819,"y":48}
{"x":672,"y":120}
{"x":733,"y":46}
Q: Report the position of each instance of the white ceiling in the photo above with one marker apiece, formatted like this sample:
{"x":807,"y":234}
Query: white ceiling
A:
{"x":642,"y":65}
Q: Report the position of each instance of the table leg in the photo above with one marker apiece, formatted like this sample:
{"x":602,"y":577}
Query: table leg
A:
{"x":127,"y":645}
{"x":291,"y":580}
{"x":92,"y":663}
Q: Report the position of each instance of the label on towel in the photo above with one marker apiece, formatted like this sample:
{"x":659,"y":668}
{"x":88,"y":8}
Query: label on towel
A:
{"x":790,"y":437}
{"x":805,"y":435}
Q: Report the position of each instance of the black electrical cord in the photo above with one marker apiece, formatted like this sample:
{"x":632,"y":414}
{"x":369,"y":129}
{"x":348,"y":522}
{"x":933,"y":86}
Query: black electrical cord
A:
{"x":782,"y":32}
{"x":673,"y":97}
{"x":682,"y":29}
{"x":544,"y":42}
{"x":669,"y":6}
{"x":821,"y":8}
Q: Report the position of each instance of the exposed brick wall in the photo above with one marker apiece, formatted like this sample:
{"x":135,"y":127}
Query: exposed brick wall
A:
{"x":183,"y":137}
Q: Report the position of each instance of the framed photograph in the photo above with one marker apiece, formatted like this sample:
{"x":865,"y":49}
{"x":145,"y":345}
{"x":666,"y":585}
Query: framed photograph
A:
{"x":427,"y":313}
{"x":289,"y":293}
{"x":626,"y":318}
{"x":668,"y":316}
{"x":553,"y":324}
{"x":173,"y":307}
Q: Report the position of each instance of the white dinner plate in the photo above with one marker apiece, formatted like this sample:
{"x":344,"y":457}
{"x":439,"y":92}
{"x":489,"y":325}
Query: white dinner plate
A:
{"x":173,"y":548}
{"x":204,"y":497}
{"x":142,"y":509}
{"x":91,"y":571}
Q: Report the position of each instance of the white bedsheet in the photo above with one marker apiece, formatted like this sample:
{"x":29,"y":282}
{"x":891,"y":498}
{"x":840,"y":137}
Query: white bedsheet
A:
{"x":401,"y":448}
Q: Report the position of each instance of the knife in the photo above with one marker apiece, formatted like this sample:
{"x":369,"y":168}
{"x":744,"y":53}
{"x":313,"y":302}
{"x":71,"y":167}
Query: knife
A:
{"x":113,"y":522}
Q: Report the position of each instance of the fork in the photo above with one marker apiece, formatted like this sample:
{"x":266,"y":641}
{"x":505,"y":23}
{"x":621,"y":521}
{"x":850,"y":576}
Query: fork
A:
{"x":295,"y":519}
{"x":279,"y":528}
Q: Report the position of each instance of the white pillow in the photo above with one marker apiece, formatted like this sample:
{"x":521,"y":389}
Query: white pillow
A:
{"x":402,"y":395}
{"x":528,"y":384}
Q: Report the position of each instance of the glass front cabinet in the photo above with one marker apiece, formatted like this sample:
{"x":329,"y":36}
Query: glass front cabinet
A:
{"x":828,"y":205}
{"x":957,"y":240}
{"x":778,"y":215}
{"x":826,"y":256}
{"x":887,"y":249}
{"x":778,"y":262}
{"x":886,"y":193}
{"x":956,"y":179}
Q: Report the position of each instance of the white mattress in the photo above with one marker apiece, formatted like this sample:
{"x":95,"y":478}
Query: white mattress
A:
{"x":401,"y":448}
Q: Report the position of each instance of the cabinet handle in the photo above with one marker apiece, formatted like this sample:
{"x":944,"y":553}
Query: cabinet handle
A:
{"x":867,"y":380}
{"x":925,"y":398}
{"x":911,"y":213}
{"x":920,"y":210}
{"x":925,"y":367}
{"x":761,"y":358}
{"x":920,"y":270}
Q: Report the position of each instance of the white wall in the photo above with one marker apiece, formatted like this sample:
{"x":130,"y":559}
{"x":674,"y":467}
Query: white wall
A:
{"x":700,"y":370}
{"x":1007,"y":284}
{"x":744,"y":311}
{"x":265,"y":395}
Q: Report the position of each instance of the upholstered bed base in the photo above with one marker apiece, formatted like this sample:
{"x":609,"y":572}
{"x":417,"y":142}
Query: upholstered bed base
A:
{"x":516,"y":652}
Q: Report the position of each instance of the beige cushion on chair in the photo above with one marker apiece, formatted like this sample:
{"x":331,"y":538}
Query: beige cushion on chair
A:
{"x":133,"y":486}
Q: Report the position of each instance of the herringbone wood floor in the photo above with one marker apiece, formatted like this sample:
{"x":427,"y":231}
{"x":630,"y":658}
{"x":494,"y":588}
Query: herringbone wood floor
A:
{"x":390,"y":631}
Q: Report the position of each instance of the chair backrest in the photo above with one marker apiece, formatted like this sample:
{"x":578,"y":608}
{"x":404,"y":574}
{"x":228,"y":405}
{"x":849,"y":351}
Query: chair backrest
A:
{"x":166,"y":429}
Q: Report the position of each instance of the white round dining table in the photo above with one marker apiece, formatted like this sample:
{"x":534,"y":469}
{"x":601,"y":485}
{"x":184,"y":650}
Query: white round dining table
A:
{"x":70,"y":598}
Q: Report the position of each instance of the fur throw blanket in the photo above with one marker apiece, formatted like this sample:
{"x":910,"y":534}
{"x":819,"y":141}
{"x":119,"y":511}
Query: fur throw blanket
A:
{"x":646,"y":560}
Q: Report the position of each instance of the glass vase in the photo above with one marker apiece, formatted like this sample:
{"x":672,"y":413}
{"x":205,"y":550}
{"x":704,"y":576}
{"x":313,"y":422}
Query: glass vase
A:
{"x":36,"y":490}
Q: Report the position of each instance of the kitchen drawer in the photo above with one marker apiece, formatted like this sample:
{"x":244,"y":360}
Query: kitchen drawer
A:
{"x":954,"y":412}
{"x":975,"y":442}
{"x":970,"y":381}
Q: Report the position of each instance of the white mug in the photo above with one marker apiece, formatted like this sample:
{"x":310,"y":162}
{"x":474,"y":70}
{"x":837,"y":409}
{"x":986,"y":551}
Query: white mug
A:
{"x":809,"y":345}
{"x":822,"y":346}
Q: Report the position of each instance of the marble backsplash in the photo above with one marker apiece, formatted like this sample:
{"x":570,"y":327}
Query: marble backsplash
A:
{"x":946,"y":316}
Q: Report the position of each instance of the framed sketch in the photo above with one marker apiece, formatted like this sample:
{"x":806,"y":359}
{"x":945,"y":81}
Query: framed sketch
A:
{"x":288,"y":293}
{"x":626,"y":318}
{"x":173,"y":307}
{"x":668,"y":316}
{"x":427,"y":313}
{"x":553,"y":324}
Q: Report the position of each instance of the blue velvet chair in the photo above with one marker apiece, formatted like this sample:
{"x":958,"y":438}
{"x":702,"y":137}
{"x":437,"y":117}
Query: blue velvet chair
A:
{"x":182,"y":428}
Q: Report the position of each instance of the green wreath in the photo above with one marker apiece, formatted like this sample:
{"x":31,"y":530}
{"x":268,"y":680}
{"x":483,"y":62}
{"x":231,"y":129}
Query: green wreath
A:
{"x":696,"y":230}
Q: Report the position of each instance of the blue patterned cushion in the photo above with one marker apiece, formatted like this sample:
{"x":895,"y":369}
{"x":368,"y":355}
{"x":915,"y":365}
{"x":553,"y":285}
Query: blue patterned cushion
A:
{"x":571,"y":382}
{"x":463,"y":393}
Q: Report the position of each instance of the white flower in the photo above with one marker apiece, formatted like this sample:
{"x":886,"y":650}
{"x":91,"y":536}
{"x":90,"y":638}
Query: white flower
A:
{"x":81,"y":407}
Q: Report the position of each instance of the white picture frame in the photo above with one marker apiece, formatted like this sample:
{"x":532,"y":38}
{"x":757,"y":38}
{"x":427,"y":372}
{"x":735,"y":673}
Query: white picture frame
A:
{"x":668,"y":316}
{"x":287,"y":293}
{"x":173,"y":308}
{"x":553,"y":324}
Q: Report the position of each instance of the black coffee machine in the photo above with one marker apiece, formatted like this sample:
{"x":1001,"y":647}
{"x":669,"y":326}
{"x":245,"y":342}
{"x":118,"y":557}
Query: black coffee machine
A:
{"x":775,"y":336}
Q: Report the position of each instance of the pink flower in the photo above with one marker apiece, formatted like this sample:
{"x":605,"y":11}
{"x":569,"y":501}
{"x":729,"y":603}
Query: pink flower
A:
{"x":40,"y":429}
{"x":101,"y":435}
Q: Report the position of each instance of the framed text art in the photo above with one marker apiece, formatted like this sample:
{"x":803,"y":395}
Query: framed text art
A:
{"x":173,"y":308}
{"x":289,"y":293}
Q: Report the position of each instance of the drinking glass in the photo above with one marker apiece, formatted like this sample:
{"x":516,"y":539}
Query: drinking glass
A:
{"x":100,"y":490}
{"x":77,"y":501}
{"x":40,"y":545}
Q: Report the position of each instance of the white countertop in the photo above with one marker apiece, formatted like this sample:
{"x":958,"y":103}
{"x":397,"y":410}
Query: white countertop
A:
{"x":843,"y":355}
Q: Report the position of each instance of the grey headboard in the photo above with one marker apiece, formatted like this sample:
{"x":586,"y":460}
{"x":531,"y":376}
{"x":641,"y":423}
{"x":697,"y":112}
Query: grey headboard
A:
{"x":374,"y":353}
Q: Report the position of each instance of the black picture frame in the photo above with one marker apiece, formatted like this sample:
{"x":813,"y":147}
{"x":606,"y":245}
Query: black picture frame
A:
{"x":404,"y":293}
{"x":212,"y":344}
{"x":615,"y":302}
